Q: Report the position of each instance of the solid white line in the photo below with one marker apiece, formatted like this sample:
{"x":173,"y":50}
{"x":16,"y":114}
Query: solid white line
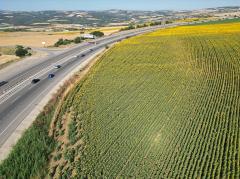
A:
{"x":41,"y":73}
{"x":21,"y":84}
{"x":34,"y":101}
{"x":22,"y":112}
{"x":48,"y":88}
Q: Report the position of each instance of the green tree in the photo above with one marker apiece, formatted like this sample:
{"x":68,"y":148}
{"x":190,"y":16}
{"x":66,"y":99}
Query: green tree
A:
{"x":62,"y":42}
{"x":21,"y":51}
{"x":77,"y":40}
{"x":128,"y":28}
{"x":97,"y":33}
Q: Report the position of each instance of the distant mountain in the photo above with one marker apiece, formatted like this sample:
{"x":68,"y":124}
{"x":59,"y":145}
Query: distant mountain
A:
{"x":77,"y":17}
{"x":98,"y":18}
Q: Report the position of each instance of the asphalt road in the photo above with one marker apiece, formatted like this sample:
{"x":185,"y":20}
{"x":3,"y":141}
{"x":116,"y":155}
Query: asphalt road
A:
{"x":18,"y":97}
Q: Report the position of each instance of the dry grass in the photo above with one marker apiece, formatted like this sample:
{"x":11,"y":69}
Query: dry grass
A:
{"x":110,"y":30}
{"x":7,"y":58}
{"x":35,"y":39}
{"x":7,"y":55}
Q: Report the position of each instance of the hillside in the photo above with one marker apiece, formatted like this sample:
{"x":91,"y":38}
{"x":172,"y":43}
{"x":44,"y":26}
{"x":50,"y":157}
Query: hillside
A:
{"x":55,"y":20}
{"x":160,"y":105}
{"x":86,"y":18}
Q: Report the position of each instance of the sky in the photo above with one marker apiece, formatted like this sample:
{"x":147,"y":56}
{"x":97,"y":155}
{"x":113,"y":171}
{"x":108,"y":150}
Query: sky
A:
{"x":35,"y":5}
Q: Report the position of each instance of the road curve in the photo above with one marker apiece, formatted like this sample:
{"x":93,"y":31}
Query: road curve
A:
{"x":18,"y":97}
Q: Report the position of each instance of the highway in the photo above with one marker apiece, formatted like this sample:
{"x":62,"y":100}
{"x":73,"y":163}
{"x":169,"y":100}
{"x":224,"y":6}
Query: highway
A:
{"x":18,"y":96}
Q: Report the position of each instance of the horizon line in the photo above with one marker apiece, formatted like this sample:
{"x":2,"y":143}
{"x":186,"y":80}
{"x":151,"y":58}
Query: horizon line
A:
{"x":120,"y":9}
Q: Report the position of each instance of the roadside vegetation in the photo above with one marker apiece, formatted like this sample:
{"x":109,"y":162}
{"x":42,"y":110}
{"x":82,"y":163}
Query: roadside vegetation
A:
{"x":159,"y":105}
{"x":97,"y":33}
{"x":77,"y":40}
{"x":137,"y":26}
{"x":61,"y":41}
{"x":21,"y":51}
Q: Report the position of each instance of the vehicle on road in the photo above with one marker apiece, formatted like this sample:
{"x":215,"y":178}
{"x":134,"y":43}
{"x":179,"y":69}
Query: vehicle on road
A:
{"x":83,"y":55}
{"x":36,"y":80}
{"x":57,"y":66}
{"x":91,"y":50}
{"x":3,"y":83}
{"x":51,"y":75}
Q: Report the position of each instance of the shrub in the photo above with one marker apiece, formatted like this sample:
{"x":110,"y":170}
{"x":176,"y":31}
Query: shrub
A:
{"x":141,"y":25}
{"x":97,"y":33}
{"x":155,"y":23}
{"x":168,"y":22}
{"x":77,"y":40}
{"x":62,"y":42}
{"x":128,"y":28}
{"x":21,"y":51}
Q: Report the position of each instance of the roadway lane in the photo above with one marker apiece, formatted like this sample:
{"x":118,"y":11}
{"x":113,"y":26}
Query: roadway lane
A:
{"x":16,"y":78}
{"x":22,"y":103}
{"x":19,"y":97}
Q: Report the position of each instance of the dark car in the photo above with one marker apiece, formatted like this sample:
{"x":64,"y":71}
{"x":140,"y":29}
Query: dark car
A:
{"x":91,"y":50}
{"x":34,"y":81}
{"x":83,"y":55}
{"x":57,"y":66}
{"x":51,"y":75}
{"x":3,"y":83}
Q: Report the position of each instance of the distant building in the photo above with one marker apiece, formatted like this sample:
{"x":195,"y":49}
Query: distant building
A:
{"x":88,"y":36}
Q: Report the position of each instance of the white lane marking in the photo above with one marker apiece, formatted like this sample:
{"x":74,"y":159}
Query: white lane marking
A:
{"x":24,"y":83}
{"x":64,"y":58}
{"x":21,"y":85}
{"x":13,"y":90}
{"x":36,"y":99}
{"x":22,"y":112}
{"x":39,"y":96}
